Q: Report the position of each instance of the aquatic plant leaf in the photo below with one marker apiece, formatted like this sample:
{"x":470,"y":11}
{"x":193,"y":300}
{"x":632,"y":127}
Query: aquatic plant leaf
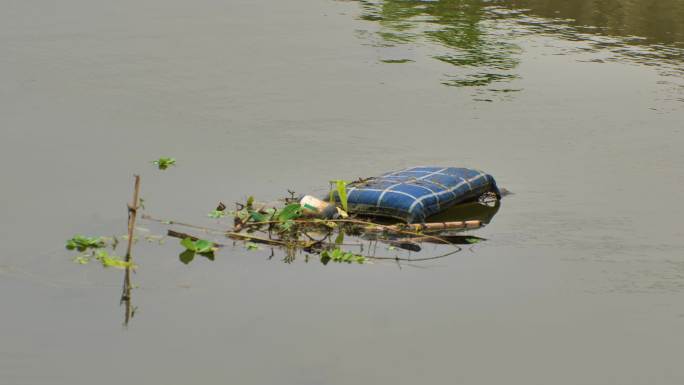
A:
{"x":287,"y":225}
{"x":187,"y":256}
{"x":163,"y":163}
{"x":208,"y":255}
{"x":342,"y":193}
{"x":340,"y":238}
{"x":203,"y":246}
{"x":325,"y":257}
{"x":259,"y":217}
{"x":251,"y":246}
{"x":114,"y":262}
{"x":289,"y":212}
{"x":242,"y":215}
{"x":216,"y":214}
{"x":188,"y":244}
{"x":82,"y":243}
{"x":339,"y":255}
{"x":111,"y":260}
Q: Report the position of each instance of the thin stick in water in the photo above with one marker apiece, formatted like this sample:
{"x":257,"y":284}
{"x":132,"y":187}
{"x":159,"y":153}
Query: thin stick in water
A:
{"x":132,"y":213}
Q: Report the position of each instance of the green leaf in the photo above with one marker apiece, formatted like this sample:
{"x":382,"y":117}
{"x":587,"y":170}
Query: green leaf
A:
{"x":325,"y":257}
{"x":289,"y":212}
{"x":114,"y":262}
{"x":81,"y":243}
{"x":287,"y":225}
{"x":111,"y":261}
{"x":340,"y":238}
{"x":242,"y":214}
{"x":258,"y":217}
{"x":338,"y":255}
{"x":188,"y":244}
{"x":216,"y":214}
{"x":163,"y":163}
{"x":342,"y":193}
{"x":251,"y":246}
{"x":208,"y":255}
{"x":187,"y":256}
{"x":203,"y":246}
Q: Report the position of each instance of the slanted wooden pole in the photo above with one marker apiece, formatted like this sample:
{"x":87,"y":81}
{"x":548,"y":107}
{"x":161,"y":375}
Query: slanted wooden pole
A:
{"x":132,"y":213}
{"x":126,"y":290}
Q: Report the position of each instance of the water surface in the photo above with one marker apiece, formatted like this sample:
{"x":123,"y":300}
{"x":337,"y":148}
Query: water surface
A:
{"x":576,"y":106}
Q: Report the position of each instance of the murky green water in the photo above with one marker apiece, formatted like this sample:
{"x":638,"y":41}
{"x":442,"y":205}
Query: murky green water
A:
{"x":576,"y":106}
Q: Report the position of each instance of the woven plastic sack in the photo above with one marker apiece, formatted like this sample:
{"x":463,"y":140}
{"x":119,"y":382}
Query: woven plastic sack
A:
{"x":413,"y":194}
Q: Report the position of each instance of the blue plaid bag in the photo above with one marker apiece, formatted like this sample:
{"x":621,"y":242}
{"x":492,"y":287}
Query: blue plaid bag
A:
{"x":413,"y":194}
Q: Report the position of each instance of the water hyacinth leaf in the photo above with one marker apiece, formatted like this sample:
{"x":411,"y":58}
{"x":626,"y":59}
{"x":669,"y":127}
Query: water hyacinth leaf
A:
{"x":164,"y":162}
{"x":289,"y":212}
{"x":111,"y":261}
{"x":200,"y":246}
{"x":259,"y":217}
{"x":82,"y":243}
{"x":187,"y":256}
{"x":188,"y":244}
{"x":216,"y":214}
{"x":203,"y":246}
{"x":208,"y":255}
{"x":242,"y":215}
{"x":339,"y":255}
{"x":114,"y":262}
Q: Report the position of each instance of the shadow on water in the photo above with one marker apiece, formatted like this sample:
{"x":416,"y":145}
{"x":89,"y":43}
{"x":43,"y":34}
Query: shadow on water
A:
{"x":480,"y":39}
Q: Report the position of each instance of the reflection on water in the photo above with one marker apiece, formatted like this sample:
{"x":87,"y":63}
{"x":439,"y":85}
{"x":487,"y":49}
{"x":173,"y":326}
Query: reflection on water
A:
{"x":468,"y":211}
{"x":643,"y":21}
{"x":462,"y":27}
{"x":479,"y":38}
{"x":126,"y":297}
